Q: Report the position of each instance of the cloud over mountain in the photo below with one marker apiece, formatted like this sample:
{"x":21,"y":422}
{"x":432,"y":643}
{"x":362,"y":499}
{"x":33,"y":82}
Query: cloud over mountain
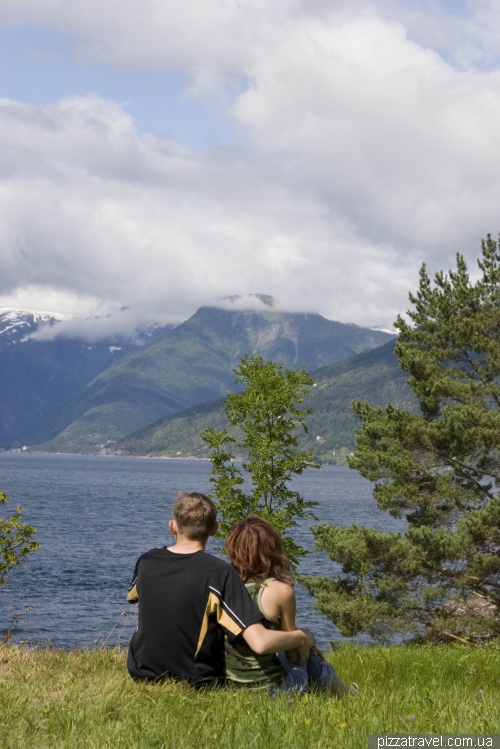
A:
{"x":91,"y":206}
{"x":367,"y":143}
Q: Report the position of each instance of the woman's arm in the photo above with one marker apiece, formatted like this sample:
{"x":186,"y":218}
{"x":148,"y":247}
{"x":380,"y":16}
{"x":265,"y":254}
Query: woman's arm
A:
{"x":278,"y":601}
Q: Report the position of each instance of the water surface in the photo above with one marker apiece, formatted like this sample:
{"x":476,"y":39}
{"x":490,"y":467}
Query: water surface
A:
{"x":95,"y":515}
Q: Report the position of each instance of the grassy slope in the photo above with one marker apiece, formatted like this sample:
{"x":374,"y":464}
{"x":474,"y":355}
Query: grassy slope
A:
{"x":38,"y":377}
{"x":163,"y":377}
{"x":191,"y":365}
{"x":178,"y":435}
{"x":374,"y":376}
{"x":53,"y":699}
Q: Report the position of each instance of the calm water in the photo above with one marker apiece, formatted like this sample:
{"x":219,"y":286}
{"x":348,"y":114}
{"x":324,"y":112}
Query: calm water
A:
{"x":94,"y":516}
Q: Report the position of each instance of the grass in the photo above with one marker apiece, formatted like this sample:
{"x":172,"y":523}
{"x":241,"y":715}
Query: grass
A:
{"x":85,"y":698}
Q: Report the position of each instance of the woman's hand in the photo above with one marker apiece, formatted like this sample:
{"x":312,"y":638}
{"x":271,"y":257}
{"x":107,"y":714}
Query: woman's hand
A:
{"x":317,"y":651}
{"x":305,"y":649}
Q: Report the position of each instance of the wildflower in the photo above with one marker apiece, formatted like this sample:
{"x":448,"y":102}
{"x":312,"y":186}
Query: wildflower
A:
{"x":308,"y":720}
{"x":412,"y":718}
{"x":480,"y":692}
{"x":288,"y":703}
{"x":343,"y":725}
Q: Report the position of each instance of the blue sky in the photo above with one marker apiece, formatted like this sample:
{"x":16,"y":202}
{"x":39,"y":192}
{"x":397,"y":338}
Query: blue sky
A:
{"x":161,"y":155}
{"x":38,"y":67}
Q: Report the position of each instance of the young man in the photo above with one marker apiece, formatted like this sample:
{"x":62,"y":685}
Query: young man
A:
{"x":187,"y":598}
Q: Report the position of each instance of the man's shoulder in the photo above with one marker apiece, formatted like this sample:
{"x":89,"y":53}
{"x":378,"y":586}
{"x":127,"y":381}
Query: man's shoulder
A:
{"x":199,"y":559}
{"x":217,"y":570}
{"x":202,"y":566}
{"x":213,"y":563}
{"x":153,"y":553}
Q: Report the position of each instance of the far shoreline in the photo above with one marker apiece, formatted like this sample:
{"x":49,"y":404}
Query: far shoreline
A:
{"x":18,"y":451}
{"x":99,"y":455}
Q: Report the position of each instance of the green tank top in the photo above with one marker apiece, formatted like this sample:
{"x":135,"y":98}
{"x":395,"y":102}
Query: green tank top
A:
{"x":243,"y":667}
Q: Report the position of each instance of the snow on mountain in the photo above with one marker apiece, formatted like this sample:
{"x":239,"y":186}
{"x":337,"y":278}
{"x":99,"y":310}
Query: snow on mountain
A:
{"x":21,"y":325}
{"x":17,"y":325}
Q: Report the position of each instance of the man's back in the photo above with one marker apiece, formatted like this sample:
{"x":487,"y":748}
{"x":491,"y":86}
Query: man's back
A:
{"x":182,"y":600}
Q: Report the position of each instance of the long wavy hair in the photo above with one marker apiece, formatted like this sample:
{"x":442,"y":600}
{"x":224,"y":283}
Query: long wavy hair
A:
{"x":255,"y":551}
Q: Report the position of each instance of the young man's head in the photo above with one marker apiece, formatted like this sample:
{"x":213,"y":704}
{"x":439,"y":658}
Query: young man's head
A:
{"x":194,"y":517}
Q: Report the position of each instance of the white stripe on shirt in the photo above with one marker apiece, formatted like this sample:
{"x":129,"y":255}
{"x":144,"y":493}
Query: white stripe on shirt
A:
{"x":227,"y":607}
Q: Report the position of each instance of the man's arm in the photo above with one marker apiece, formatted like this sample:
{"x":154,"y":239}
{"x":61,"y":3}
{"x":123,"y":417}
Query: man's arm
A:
{"x":132,"y":595}
{"x":268,"y":641}
{"x":242,"y":616}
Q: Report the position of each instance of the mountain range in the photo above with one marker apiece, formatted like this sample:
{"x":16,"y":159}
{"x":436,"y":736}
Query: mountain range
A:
{"x":37,"y":377}
{"x":373,"y":376}
{"x":69,"y":396}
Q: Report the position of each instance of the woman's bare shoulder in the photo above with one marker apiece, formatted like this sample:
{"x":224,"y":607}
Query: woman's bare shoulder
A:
{"x":278,"y":600}
{"x":279,"y":590}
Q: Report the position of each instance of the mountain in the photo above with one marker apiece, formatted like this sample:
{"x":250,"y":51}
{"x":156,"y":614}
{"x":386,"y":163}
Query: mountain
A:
{"x":17,"y":325}
{"x":37,"y":377}
{"x":193,"y":364}
{"x":373,"y":376}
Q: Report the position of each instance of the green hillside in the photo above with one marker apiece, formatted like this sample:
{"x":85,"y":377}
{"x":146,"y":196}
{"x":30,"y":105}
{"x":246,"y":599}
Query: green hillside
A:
{"x":374,"y":376}
{"x":193,"y":364}
{"x":38,"y":377}
{"x":177,"y":435}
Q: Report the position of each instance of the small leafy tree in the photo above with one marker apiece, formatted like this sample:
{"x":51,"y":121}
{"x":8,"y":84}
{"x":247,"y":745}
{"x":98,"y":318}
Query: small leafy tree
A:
{"x":15,"y":541}
{"x":439,"y":468}
{"x":266,"y":414}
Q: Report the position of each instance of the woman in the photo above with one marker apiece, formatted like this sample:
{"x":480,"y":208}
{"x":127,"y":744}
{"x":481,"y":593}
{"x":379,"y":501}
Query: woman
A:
{"x":255,"y":551}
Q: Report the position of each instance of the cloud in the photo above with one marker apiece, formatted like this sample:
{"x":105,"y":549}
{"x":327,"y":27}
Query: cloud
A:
{"x":116,"y":326}
{"x":216,"y":40}
{"x":256,"y":301}
{"x":386,"y":131}
{"x":210,"y":39}
{"x":363,"y":152}
{"x":90,"y":206}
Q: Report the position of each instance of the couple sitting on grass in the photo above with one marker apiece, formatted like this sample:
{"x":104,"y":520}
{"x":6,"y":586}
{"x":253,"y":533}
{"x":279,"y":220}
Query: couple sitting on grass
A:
{"x":208,"y":622}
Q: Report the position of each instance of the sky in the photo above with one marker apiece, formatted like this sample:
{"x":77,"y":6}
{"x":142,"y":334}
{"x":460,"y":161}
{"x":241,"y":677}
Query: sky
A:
{"x":161,"y":155}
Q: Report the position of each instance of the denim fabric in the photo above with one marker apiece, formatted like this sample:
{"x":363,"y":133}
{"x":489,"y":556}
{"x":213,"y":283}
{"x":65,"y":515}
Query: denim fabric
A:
{"x":321,"y":673}
{"x":315,"y":672}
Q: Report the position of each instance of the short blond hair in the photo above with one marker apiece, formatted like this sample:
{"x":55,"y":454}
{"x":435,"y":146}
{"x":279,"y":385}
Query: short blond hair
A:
{"x":195,"y":515}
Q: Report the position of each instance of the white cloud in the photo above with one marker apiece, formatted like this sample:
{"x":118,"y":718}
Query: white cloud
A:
{"x":216,"y":40}
{"x":54,"y":302}
{"x":208,"y":38}
{"x":366,"y":153}
{"x":114,"y":326}
{"x":386,"y":131}
{"x":92,"y":207}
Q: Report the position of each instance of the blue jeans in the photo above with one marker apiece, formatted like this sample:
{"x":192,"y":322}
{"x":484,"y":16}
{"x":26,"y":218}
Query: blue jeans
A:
{"x":315,"y":672}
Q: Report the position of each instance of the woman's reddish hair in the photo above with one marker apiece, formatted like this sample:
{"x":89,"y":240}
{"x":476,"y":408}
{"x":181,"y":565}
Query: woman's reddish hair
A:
{"x":255,"y":551}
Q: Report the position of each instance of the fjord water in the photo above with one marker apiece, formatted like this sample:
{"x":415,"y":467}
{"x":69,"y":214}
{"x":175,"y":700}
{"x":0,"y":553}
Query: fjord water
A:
{"x":95,"y":515}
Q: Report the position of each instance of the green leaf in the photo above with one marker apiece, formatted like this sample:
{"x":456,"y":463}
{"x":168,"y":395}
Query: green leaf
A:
{"x":15,"y":541}
{"x":267,"y":414}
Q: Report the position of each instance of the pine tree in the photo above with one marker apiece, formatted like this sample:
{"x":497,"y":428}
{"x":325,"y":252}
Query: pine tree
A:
{"x":267,"y":414}
{"x":439,"y":468}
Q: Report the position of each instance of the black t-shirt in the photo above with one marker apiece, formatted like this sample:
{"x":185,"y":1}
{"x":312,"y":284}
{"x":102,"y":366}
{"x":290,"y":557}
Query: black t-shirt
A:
{"x":184,"y":602}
